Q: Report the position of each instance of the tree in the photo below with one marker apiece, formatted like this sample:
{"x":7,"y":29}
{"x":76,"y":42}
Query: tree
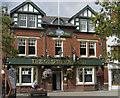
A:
{"x":8,"y":37}
{"x":109,"y":22}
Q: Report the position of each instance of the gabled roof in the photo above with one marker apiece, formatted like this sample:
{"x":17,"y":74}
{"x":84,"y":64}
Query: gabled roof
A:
{"x":49,"y":20}
{"x":28,"y":2}
{"x":81,"y":11}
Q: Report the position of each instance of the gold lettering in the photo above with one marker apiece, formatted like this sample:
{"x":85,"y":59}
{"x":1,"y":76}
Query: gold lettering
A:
{"x":52,"y":61}
{"x":33,"y":61}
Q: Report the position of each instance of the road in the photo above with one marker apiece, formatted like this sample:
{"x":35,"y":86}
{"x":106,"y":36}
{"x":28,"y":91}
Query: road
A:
{"x":107,"y":94}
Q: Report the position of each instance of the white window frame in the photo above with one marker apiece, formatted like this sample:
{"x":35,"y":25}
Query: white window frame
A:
{"x":27,"y":20}
{"x":83,"y":22}
{"x":83,"y":82}
{"x":93,"y":48}
{"x":83,"y":47}
{"x":23,"y":19}
{"x":32,"y":75}
{"x":33,"y":45}
{"x":21,"y":45}
{"x":90,"y":23}
{"x":32,"y":20}
{"x":61,"y":46}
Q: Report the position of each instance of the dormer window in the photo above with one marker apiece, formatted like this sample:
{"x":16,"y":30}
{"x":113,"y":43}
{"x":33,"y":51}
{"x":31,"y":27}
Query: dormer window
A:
{"x":23,"y":20}
{"x":27,"y":20}
{"x":55,"y":21}
{"x":83,"y":25}
{"x":91,"y":26}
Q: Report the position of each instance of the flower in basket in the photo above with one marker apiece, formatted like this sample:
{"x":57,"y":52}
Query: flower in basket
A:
{"x":47,"y":73}
{"x":99,"y":72}
{"x":41,"y":89}
{"x":69,"y":70}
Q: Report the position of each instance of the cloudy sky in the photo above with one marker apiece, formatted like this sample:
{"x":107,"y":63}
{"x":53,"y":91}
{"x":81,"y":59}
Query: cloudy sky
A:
{"x":67,"y":7}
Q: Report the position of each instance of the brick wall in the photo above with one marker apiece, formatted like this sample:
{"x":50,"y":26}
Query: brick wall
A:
{"x":0,"y":64}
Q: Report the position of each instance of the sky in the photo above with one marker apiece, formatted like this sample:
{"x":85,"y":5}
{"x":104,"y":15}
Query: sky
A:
{"x":68,"y":8}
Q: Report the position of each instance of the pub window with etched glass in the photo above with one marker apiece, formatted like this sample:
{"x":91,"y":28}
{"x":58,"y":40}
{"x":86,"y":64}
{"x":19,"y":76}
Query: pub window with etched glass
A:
{"x":26,"y":75}
{"x":22,"y":46}
{"x":58,"y":48}
{"x":92,"y":49}
{"x":85,"y":75}
{"x":83,"y":48}
{"x":31,"y":47}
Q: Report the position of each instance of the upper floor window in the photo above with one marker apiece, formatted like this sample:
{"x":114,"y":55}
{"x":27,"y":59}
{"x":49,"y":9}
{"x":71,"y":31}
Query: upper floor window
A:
{"x":27,"y":20}
{"x":23,"y":20}
{"x":91,"y":26}
{"x":83,"y":48}
{"x":92,"y":49}
{"x":32,"y":21}
{"x":83,"y":25}
{"x":22,"y":46}
{"x":58,"y":48}
{"x":32,"y":47}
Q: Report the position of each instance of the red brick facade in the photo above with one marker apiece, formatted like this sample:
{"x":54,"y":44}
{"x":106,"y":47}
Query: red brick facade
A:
{"x":83,"y":76}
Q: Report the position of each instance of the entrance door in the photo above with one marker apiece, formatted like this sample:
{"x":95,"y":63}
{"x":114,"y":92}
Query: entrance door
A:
{"x":57,"y":81}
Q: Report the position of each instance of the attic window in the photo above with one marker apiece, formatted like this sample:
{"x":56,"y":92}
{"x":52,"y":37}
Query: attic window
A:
{"x":56,"y":21}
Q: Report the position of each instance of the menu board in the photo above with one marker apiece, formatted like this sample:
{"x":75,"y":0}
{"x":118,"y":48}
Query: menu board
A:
{"x":11,"y":80}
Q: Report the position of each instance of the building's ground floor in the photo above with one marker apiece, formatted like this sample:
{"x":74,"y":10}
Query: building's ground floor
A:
{"x":114,"y":75}
{"x":60,"y":76}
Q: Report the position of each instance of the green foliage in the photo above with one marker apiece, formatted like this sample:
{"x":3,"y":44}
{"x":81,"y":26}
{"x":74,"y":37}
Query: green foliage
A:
{"x":8,"y":37}
{"x":108,"y":18}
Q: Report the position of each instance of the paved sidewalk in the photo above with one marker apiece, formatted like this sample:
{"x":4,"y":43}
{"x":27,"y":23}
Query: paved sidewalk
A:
{"x":81,"y":93}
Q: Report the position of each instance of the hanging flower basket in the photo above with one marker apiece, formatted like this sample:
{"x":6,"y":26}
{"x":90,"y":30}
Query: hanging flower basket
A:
{"x":69,"y":71}
{"x":47,"y":73}
{"x":99,"y":72}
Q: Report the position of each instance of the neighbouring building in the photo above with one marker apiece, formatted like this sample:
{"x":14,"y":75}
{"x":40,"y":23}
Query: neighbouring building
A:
{"x":64,"y":56}
{"x":113,"y":46}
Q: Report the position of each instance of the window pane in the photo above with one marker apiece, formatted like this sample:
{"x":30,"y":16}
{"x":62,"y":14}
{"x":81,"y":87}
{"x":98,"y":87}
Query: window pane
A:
{"x":83,"y":25}
{"x":21,"y":46}
{"x":58,"y":47}
{"x":92,"y":48}
{"x":88,"y":75}
{"x":31,"y":50}
{"x":83,"y":48}
{"x":35,"y":71}
{"x":23,"y":20}
{"x":17,"y":75}
{"x":32,"y":47}
{"x":80,"y":74}
{"x":26,"y":79}
{"x":91,"y":52}
{"x":26,"y":75}
{"x":83,"y":51}
{"x":21,"y":49}
{"x":88,"y":78}
{"x":91,"y":26}
{"x":32,"y":21}
{"x":115,"y":76}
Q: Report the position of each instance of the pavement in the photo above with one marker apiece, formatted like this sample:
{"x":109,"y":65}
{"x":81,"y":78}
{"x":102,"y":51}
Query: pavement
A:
{"x":114,"y":93}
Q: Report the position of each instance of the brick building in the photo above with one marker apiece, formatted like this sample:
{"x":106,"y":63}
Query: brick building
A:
{"x":68,"y":49}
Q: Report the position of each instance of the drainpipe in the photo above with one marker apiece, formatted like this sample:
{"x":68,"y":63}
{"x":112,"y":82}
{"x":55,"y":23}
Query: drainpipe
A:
{"x":45,"y":44}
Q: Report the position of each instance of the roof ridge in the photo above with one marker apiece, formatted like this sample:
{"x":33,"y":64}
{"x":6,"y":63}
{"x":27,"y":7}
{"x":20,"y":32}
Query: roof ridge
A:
{"x":57,"y":16}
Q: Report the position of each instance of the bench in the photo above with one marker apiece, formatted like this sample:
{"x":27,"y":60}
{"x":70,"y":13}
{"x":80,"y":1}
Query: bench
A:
{"x":38,"y":93}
